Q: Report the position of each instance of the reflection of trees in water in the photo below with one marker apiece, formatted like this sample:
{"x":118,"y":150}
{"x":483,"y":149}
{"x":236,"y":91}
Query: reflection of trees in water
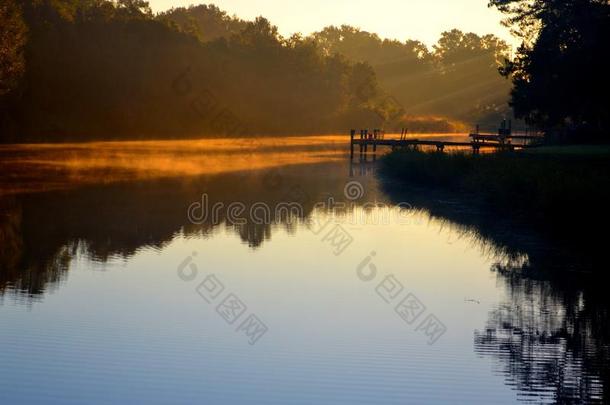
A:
{"x":22,"y":274}
{"x":547,"y":340}
{"x":10,"y":236}
{"x":42,"y":233}
{"x":550,"y":337}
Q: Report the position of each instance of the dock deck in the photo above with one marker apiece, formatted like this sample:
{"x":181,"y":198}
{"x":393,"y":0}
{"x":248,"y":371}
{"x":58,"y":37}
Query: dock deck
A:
{"x":503,"y":140}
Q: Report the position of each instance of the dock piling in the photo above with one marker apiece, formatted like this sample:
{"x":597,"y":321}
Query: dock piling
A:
{"x":352,"y":133}
{"x":502,"y":141}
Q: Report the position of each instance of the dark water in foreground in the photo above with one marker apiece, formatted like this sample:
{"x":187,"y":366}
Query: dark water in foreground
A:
{"x":112,"y":293}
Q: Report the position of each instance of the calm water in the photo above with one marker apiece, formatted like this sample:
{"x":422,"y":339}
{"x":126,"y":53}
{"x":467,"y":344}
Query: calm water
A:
{"x":371,"y":293}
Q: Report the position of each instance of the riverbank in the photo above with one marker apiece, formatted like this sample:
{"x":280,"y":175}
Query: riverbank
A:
{"x":563,"y":189}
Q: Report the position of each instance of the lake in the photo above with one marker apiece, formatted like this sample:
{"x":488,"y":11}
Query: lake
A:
{"x":265,"y":271}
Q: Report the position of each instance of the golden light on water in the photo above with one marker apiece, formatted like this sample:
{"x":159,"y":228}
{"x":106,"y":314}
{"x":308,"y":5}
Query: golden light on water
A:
{"x":43,"y":167}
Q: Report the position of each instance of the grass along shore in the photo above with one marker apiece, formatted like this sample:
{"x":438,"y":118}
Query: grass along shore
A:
{"x":566,"y":189}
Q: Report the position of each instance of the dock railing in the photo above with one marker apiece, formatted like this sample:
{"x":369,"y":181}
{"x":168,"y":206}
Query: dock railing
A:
{"x":503,"y":138}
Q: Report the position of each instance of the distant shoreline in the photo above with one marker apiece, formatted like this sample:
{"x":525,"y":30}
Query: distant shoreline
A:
{"x":345,"y":134}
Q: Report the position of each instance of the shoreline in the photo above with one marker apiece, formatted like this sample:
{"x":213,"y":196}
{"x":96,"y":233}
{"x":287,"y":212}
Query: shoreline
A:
{"x":561,"y":192}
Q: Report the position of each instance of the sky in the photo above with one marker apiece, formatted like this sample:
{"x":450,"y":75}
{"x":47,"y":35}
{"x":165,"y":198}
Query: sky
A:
{"x":422,"y":20}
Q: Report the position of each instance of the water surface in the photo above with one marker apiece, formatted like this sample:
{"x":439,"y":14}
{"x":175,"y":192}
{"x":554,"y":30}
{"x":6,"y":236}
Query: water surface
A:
{"x":101,"y":273}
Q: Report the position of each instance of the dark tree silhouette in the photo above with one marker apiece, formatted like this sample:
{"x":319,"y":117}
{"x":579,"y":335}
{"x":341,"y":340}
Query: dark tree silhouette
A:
{"x":560,"y":73}
{"x":113,"y":70}
{"x":12,"y":41}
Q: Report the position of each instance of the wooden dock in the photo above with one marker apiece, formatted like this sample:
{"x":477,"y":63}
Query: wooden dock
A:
{"x":503,"y":140}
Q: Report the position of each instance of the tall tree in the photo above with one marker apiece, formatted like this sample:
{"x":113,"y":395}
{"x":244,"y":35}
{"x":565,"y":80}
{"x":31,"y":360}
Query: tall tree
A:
{"x":560,"y":75}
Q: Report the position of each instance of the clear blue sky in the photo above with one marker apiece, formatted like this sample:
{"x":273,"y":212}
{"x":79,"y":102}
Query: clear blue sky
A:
{"x":400,"y":19}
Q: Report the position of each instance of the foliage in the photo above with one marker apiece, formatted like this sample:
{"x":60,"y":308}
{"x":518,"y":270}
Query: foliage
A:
{"x":12,"y":41}
{"x":560,"y":73}
{"x":207,"y":22}
{"x":458,"y":78}
{"x":112,"y":69}
{"x":539,"y":187}
{"x":100,"y":69}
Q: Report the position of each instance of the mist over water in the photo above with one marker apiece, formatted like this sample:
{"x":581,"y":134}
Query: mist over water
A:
{"x":43,"y":167}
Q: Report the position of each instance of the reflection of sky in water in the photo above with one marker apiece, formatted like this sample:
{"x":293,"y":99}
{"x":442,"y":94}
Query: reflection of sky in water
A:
{"x":134,"y":330}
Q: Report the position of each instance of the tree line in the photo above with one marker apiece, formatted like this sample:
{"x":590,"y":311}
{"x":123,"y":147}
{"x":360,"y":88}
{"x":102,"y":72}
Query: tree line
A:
{"x":91,"y":69}
{"x":457,"y":78}
{"x":100,"y":69}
